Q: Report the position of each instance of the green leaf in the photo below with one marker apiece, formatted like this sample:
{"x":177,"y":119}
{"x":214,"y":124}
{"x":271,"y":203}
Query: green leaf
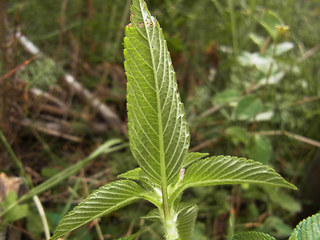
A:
{"x":134,"y":174}
{"x":226,"y":96}
{"x":103,"y":201}
{"x":260,"y":149}
{"x":284,"y":200}
{"x":307,"y":229}
{"x":261,"y":61}
{"x":248,"y":108}
{"x":281,"y":48}
{"x":277,"y":227}
{"x":257,"y":39}
{"x":237,"y":134}
{"x":158,"y":131}
{"x":186,"y":218}
{"x":231,"y":170}
{"x":271,"y":22}
{"x":193,"y":157}
{"x":252,"y":236}
{"x":17,"y":212}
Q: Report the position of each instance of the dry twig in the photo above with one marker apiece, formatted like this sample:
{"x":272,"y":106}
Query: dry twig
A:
{"x":77,"y":87}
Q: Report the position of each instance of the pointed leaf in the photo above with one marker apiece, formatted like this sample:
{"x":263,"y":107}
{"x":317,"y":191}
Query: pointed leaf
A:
{"x":158,"y":131}
{"x":193,"y":157}
{"x":231,"y":170}
{"x":186,"y":219}
{"x":271,"y":22}
{"x":252,"y":236}
{"x":307,"y":229}
{"x":103,"y":201}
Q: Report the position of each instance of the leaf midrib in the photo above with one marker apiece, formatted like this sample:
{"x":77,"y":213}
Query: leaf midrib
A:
{"x":230,"y":181}
{"x":160,"y":134}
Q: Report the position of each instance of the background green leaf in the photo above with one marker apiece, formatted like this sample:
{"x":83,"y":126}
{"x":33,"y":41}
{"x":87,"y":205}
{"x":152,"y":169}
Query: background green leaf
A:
{"x":226,"y":96}
{"x":259,"y":148}
{"x":270,"y":21}
{"x":247,"y":108}
{"x":237,"y":134}
{"x":17,"y":212}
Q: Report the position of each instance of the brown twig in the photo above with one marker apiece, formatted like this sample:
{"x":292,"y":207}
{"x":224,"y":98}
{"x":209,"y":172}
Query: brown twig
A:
{"x":289,"y":134}
{"x":5,"y":63}
{"x":77,"y":87}
{"x":39,"y":93}
{"x":17,"y":68}
{"x":309,"y":53}
{"x":210,"y":111}
{"x":3,"y":35}
{"x":104,"y":110}
{"x":258,"y":223}
{"x":305,"y":100}
{"x":52,"y":129}
{"x":204,"y":144}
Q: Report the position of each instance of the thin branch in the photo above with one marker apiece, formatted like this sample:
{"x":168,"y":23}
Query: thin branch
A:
{"x":3,"y":35}
{"x":104,"y":110}
{"x":210,"y":111}
{"x":204,"y":144}
{"x":289,"y":134}
{"x":305,"y":100}
{"x":77,"y":87}
{"x":47,"y":128}
{"x":309,"y":53}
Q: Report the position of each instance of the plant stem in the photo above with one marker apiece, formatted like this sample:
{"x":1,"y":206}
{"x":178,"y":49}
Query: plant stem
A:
{"x":170,"y":226}
{"x":271,"y":67}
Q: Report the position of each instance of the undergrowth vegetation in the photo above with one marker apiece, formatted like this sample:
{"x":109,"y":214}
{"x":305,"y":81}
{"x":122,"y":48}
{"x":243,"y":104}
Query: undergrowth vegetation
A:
{"x":247,"y":73}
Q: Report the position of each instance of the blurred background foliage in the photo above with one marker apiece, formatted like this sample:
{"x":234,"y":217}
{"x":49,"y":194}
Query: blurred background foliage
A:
{"x":248,"y":72}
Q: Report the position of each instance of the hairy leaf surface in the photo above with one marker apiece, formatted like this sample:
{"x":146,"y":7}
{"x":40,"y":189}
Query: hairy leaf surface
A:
{"x":220,"y":170}
{"x":307,"y":229}
{"x":186,"y":219}
{"x":101,"y":202}
{"x":158,"y":131}
{"x":252,"y":236}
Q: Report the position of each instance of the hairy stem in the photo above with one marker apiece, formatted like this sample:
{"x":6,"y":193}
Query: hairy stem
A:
{"x":170,"y":226}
